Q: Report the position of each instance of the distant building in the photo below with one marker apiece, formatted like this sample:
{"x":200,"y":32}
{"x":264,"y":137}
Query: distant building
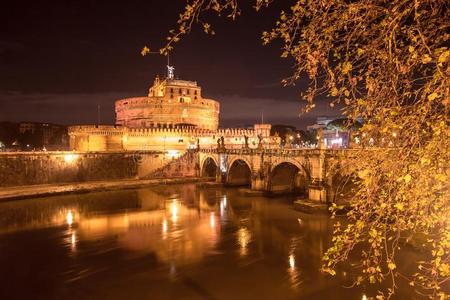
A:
{"x":33,"y":136}
{"x":321,"y":123}
{"x":336,"y":132}
{"x":175,"y":117}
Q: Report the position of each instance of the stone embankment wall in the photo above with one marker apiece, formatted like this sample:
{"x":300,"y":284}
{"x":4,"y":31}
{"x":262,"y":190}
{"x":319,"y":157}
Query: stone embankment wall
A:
{"x":185,"y":166}
{"x":32,"y":168}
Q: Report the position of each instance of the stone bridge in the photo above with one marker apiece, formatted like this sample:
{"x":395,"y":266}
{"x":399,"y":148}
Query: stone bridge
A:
{"x":304,"y":171}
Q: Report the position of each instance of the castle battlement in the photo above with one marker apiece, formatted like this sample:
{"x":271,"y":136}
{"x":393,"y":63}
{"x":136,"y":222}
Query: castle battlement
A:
{"x":96,"y":129}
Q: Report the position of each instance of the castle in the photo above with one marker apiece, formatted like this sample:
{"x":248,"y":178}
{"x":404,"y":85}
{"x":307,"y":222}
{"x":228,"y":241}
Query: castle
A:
{"x":173,"y":118}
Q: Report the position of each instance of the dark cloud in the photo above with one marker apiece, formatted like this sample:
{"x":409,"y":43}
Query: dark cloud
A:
{"x":237,"y":110}
{"x":58,"y":108}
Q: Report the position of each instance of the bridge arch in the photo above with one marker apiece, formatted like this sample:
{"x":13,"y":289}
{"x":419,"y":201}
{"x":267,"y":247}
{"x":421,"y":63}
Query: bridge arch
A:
{"x":209,"y":167}
{"x":289,"y":176}
{"x":239,"y":173}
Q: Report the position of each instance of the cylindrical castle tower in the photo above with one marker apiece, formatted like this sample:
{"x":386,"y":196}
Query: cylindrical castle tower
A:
{"x":170,"y":103}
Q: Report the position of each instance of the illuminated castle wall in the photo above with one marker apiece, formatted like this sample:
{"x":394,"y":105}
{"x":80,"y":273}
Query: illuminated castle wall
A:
{"x":174,"y":116}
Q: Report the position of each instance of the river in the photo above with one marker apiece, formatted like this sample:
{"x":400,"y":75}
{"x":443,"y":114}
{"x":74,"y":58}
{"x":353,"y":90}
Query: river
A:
{"x":168,"y":242}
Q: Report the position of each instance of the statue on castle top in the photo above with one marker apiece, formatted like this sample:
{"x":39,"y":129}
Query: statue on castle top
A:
{"x":170,"y":72}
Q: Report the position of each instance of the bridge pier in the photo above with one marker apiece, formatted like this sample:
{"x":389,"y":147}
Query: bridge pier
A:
{"x":258,"y":182}
{"x":317,"y":192}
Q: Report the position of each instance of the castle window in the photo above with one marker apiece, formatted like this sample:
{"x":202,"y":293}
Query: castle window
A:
{"x":171,"y":96}
{"x":180,"y":140}
{"x":188,"y":91}
{"x":181,"y":100}
{"x":180,"y":91}
{"x":195,"y":92}
{"x":171,"y":90}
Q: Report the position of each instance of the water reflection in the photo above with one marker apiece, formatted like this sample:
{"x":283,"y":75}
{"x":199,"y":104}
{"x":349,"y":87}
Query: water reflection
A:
{"x":243,"y":237}
{"x":181,"y":241}
{"x":69,"y":218}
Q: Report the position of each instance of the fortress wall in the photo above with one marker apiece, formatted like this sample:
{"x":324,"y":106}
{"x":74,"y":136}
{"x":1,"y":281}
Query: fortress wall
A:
{"x":118,"y":138}
{"x":32,"y":168}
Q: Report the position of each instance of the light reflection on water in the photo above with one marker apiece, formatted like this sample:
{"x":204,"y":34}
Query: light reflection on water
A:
{"x":172,"y":242}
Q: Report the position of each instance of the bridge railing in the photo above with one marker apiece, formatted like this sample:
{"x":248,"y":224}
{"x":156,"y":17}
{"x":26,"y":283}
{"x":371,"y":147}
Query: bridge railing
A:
{"x":290,"y":152}
{"x":278,"y":152}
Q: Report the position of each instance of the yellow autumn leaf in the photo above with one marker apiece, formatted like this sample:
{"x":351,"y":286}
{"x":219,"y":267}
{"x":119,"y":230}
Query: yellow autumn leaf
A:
{"x":346,"y":67}
{"x":444,"y":56}
{"x":391,"y":266}
{"x":425,"y":161}
{"x":441,"y":177}
{"x":432,"y":96}
{"x":399,"y":206}
{"x":426,"y":59}
{"x":407,"y":178}
{"x":334,"y":92}
{"x":145,"y":51}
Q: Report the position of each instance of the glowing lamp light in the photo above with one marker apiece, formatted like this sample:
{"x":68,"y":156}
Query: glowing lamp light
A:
{"x":69,"y":158}
{"x":337,"y":142}
{"x":173,"y":153}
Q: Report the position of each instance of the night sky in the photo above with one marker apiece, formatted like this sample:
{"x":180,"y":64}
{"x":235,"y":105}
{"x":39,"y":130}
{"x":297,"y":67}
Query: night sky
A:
{"x":60,"y":59}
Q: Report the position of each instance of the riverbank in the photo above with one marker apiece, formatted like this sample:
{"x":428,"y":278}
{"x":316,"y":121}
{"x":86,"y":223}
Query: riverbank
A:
{"x":32,"y":191}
